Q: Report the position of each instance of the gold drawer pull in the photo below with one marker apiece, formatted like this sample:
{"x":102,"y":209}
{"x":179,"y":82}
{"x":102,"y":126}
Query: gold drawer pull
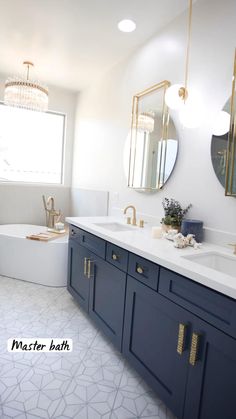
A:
{"x":85,"y":266}
{"x":139,"y":270}
{"x":89,"y":268}
{"x":193,"y":357}
{"x":181,"y":338}
{"x":114,"y":256}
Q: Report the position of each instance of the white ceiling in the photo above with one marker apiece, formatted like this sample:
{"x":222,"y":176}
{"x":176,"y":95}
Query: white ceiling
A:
{"x":72,"y":42}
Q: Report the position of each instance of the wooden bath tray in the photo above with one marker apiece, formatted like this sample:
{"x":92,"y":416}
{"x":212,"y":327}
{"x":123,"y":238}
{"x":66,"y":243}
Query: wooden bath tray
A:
{"x":46,"y":236}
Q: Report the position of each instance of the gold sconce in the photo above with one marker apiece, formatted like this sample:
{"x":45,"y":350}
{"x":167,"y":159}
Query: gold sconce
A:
{"x":178,"y":96}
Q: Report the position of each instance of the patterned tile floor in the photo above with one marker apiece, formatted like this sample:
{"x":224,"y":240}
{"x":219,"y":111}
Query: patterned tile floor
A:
{"x":92,"y":382}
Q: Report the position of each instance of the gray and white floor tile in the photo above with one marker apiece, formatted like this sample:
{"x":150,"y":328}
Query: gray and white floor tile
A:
{"x":91,"y":382}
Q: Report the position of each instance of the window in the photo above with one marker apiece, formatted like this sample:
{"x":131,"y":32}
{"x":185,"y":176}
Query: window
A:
{"x":31,"y":145}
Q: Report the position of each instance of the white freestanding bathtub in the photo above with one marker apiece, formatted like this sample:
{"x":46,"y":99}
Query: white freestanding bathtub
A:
{"x":30,"y":260}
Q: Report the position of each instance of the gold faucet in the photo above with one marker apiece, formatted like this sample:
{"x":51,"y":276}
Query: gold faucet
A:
{"x":52,"y":215}
{"x":134,"y":221}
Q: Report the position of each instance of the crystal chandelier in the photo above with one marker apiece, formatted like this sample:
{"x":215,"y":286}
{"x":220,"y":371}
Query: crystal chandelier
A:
{"x":26,"y":93}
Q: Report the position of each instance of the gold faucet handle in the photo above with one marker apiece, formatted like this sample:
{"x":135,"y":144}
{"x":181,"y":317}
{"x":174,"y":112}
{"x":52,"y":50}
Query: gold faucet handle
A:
{"x":128,"y":220}
{"x":141,"y":223}
{"x":234,"y":245}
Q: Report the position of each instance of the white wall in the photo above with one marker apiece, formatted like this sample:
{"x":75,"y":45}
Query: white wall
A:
{"x":22,"y":203}
{"x":88,"y":203}
{"x":104,"y":115}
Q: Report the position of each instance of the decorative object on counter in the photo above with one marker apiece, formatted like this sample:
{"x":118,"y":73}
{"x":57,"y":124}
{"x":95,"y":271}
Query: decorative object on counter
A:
{"x":194,"y":227}
{"x":170,"y":234}
{"x":157,"y":232}
{"x":52,"y":216}
{"x":60,"y":227}
{"x":174,"y":214}
{"x":24,"y":92}
{"x":181,"y":242}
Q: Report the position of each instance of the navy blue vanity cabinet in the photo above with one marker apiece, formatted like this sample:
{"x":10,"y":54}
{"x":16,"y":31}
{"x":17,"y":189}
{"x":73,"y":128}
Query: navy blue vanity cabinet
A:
{"x":178,"y":334}
{"x":97,"y":285}
{"x":77,"y":282}
{"x":107,"y":299}
{"x":154,"y":329}
{"x":210,"y":392}
{"x":211,"y":389}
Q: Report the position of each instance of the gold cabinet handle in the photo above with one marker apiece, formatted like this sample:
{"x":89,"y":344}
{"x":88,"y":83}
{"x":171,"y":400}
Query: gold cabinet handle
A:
{"x":85,"y":266}
{"x":193,"y":357}
{"x":115,"y":257}
{"x":89,"y":275}
{"x":181,"y":338}
{"x":140,"y":270}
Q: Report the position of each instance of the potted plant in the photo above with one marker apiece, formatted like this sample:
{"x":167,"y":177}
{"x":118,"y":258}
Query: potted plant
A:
{"x":174,"y":214}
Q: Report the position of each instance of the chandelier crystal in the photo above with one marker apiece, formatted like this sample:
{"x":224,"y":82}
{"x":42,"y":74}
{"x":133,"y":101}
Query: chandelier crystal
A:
{"x":26,"y":93}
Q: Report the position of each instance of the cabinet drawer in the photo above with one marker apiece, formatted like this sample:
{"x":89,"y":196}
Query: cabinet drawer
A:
{"x":117,"y":256}
{"x":88,"y":240}
{"x":215,"y":308}
{"x":143,"y":270}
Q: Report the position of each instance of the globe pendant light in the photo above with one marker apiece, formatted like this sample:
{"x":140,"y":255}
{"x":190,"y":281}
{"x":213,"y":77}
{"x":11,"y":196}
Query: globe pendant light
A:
{"x":221,"y":124}
{"x":26,"y":93}
{"x":177,"y":94}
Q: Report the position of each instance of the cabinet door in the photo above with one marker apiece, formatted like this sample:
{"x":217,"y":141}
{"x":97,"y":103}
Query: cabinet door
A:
{"x":107,"y":298}
{"x":151,"y":333}
{"x":78,"y":282}
{"x":211,"y":391}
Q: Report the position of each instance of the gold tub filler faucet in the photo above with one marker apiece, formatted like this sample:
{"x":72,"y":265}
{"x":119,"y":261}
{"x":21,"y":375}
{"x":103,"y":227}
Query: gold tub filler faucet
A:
{"x":52,"y":216}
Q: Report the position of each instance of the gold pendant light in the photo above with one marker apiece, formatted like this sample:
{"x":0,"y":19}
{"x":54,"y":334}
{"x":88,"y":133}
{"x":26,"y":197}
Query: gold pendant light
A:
{"x":177,"y":94}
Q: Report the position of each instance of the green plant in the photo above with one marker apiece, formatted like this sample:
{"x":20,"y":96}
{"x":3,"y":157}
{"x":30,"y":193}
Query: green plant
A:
{"x":174,"y":213}
{"x":168,"y":220}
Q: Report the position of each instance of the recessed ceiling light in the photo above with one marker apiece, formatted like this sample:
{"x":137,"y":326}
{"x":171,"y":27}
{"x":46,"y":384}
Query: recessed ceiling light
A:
{"x":127,"y":25}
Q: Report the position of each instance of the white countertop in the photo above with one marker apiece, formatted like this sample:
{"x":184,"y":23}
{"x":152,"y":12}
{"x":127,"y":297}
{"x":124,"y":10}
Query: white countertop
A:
{"x":162,"y":252}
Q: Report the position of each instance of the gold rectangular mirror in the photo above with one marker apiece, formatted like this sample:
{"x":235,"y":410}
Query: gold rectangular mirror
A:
{"x":153,"y":144}
{"x":230,"y":183}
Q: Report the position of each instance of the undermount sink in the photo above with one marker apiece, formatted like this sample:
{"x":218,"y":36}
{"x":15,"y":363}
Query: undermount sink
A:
{"x":217,"y":261}
{"x":114,"y":226}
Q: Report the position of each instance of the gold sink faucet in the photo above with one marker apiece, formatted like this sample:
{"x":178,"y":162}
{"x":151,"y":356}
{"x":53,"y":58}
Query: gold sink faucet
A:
{"x":134,"y":220}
